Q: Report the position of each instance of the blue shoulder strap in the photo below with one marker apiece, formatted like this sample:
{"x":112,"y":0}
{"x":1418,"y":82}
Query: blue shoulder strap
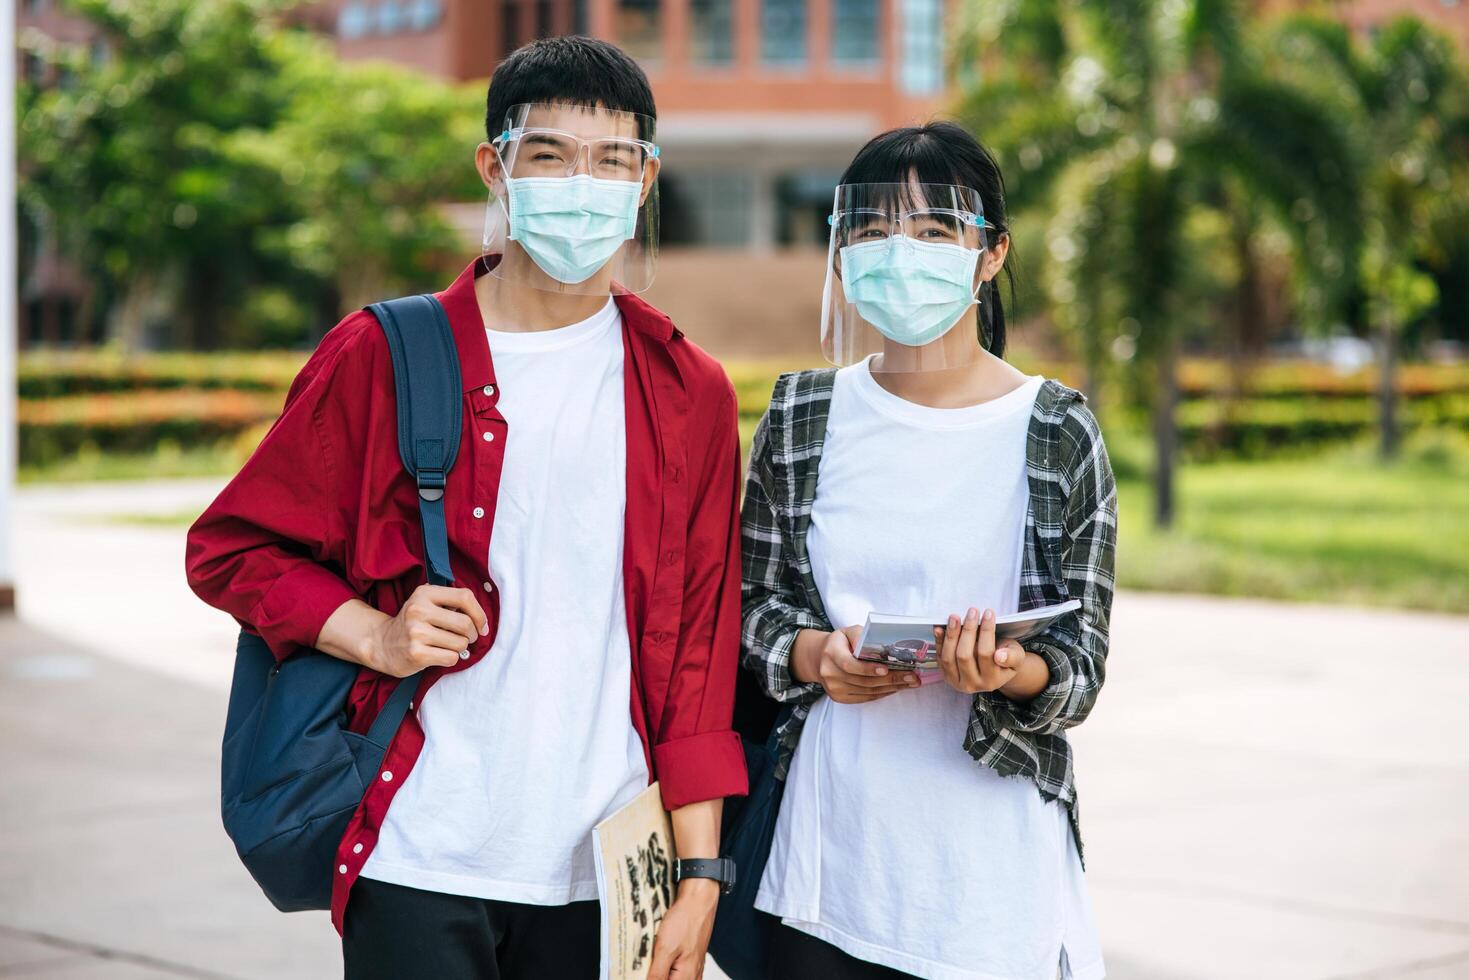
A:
{"x":430,"y":411}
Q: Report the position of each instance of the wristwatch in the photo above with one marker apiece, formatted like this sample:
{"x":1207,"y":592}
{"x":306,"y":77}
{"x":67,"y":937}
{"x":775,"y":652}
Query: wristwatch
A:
{"x":721,"y":870}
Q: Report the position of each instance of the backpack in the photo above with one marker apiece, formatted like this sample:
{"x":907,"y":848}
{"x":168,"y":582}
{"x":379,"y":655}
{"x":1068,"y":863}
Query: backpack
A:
{"x":291,"y":774}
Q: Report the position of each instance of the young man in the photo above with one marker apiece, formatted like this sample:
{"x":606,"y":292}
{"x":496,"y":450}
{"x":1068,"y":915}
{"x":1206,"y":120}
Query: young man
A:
{"x":593,"y":527}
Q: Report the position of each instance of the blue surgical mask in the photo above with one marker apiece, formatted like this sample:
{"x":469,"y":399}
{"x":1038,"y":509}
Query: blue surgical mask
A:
{"x":571,"y":226}
{"x":912,"y":292}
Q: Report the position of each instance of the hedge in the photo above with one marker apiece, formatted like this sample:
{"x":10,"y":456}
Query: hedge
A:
{"x":137,"y":421}
{"x":134,"y":404}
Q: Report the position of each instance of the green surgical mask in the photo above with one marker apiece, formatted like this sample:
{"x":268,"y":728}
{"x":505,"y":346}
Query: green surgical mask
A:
{"x":911,"y":292}
{"x":571,"y":226}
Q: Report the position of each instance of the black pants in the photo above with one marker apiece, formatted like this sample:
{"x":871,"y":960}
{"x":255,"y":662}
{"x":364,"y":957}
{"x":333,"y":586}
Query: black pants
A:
{"x":794,"y":955}
{"x":398,"y":933}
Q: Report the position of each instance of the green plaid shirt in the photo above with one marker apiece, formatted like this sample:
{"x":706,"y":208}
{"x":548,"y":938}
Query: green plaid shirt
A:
{"x":1070,"y":543}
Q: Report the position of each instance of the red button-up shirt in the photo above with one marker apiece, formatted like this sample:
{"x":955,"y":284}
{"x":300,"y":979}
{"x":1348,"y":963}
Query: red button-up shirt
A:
{"x":323,"y":512}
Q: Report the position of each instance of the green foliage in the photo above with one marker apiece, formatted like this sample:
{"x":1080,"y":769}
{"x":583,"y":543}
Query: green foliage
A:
{"x":1338,"y":528}
{"x":214,"y":151}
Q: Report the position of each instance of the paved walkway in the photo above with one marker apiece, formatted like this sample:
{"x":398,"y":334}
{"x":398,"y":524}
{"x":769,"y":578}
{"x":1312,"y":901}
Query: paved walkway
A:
{"x":1268,"y":790}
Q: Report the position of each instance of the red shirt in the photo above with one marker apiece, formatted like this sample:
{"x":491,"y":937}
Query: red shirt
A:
{"x":323,"y":512}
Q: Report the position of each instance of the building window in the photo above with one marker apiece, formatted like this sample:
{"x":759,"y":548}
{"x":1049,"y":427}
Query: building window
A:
{"x":33,"y":67}
{"x":424,"y":14}
{"x":713,"y":31}
{"x":922,"y":69}
{"x":640,"y":28}
{"x":783,"y":32}
{"x":354,"y":21}
{"x":391,"y":17}
{"x":719,"y":203}
{"x":854,"y":32}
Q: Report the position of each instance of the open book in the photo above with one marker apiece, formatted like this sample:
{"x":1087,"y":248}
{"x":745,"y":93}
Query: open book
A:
{"x":909,"y":642}
{"x":634,"y":855}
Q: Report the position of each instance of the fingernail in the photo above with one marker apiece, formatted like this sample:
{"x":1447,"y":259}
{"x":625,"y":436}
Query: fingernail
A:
{"x":881,"y":671}
{"x":1000,"y":656}
{"x":989,"y":616}
{"x":484,"y":630}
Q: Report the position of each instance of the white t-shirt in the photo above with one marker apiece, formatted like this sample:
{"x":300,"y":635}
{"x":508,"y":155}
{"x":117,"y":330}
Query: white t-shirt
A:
{"x":525,"y":751}
{"x":892,"y":842}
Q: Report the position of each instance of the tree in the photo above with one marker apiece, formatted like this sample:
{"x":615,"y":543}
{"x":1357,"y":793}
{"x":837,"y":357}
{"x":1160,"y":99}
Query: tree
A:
{"x":1403,"y":95}
{"x":1129,"y":115}
{"x":222,"y":167}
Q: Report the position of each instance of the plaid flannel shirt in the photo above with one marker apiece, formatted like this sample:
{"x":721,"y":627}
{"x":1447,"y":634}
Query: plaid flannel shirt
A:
{"x":1070,"y":542}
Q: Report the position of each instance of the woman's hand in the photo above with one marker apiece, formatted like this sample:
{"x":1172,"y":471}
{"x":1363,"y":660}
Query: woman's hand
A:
{"x":827,"y":659}
{"x":972,"y":661}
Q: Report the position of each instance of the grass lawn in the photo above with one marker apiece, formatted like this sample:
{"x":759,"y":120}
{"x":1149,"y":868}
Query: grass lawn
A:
{"x":1338,"y":528}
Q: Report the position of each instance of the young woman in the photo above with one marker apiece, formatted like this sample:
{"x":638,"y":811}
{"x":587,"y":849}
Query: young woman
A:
{"x":926,"y":477}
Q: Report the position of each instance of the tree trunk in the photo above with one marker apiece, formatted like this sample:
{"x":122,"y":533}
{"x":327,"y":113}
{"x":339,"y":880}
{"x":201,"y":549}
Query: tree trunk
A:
{"x":127,"y":318}
{"x":1387,"y":392}
{"x":1165,"y":430}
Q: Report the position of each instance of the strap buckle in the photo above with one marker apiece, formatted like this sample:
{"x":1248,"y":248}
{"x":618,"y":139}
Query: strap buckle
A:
{"x":431,"y":484}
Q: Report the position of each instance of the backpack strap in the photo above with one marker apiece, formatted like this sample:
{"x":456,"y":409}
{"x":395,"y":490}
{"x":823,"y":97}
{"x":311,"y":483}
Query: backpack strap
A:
{"x":430,"y":411}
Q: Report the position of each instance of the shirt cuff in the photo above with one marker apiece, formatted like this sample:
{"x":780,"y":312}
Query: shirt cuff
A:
{"x":289,"y":617}
{"x":1041,"y":714}
{"x":707,"y":766}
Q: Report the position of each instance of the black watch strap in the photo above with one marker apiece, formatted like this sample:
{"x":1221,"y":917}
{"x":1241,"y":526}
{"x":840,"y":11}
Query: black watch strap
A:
{"x":721,"y":870}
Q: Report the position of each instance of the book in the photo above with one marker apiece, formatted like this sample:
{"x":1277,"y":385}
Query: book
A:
{"x":633,"y":851}
{"x":912,"y":642}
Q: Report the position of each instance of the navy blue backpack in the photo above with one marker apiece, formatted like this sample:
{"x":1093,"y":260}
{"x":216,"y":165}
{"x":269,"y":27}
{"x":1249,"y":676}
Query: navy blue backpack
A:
{"x":740,"y":942}
{"x":291,"y":773}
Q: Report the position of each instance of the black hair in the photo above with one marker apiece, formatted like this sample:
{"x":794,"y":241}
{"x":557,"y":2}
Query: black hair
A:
{"x":944,"y":153}
{"x":575,"y":70}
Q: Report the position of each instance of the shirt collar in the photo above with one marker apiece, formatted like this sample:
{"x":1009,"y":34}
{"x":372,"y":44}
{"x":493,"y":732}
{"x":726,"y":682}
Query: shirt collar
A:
{"x":462,"y":307}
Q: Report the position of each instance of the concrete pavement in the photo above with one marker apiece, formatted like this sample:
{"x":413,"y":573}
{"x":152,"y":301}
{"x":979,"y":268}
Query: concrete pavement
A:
{"x":1267,"y":790}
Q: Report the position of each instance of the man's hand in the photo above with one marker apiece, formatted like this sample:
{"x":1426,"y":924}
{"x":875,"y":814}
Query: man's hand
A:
{"x":683,"y":937}
{"x":827,"y":659}
{"x":435,"y":627}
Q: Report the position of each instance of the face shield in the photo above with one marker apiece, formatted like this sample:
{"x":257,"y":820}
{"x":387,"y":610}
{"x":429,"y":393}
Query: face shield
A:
{"x":574,"y":205}
{"x":903,"y":274}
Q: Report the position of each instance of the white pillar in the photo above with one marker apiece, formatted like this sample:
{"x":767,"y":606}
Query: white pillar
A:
{"x":762,"y":211}
{"x":8,"y":311}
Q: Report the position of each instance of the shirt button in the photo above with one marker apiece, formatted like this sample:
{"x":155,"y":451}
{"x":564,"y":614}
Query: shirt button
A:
{"x":489,"y":586}
{"x":479,"y":512}
{"x":489,"y":389}
{"x":463,"y":654}
{"x":387,"y":776}
{"x":489,"y":437}
{"x":341,"y":869}
{"x":356,"y":848}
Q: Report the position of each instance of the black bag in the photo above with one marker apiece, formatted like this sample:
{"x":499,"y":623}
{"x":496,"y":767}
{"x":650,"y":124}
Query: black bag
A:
{"x":740,"y":943}
{"x":291,"y":774}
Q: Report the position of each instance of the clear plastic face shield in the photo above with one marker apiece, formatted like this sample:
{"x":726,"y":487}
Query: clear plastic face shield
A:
{"x":573,"y":204}
{"x":903,"y":276}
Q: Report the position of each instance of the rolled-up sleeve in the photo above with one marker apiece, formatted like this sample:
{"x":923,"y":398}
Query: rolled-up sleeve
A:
{"x":1075,"y":647}
{"x":697,"y":755}
{"x":268,"y":549}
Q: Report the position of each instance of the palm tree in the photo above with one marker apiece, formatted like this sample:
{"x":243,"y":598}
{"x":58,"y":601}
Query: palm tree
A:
{"x":1404,"y":96}
{"x":1130,"y":114}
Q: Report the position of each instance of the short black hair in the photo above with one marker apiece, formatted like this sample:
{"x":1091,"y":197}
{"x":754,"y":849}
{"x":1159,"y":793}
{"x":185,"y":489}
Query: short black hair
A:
{"x":574,"y":70}
{"x":944,"y":153}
